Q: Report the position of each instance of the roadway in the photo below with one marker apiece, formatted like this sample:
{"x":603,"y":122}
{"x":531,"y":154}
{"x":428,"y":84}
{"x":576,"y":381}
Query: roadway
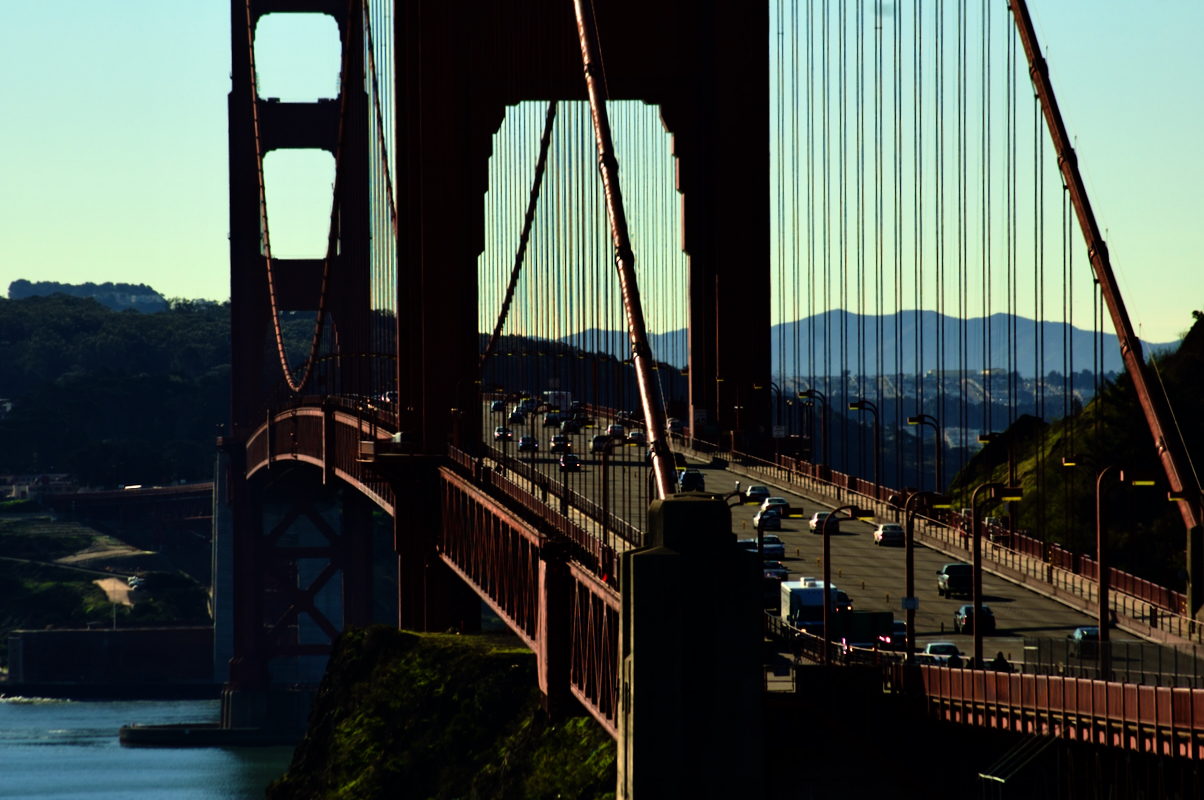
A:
{"x":873,"y":576}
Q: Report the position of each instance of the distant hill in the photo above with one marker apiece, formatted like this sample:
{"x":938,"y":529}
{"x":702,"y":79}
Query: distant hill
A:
{"x":990,"y":340}
{"x":117,"y":296}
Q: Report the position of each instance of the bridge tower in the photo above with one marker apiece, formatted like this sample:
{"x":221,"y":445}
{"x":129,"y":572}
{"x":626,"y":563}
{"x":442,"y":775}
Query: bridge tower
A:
{"x":289,"y":516}
{"x":702,"y":63}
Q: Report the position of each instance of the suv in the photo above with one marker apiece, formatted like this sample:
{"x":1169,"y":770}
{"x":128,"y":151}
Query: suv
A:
{"x":955,"y":578}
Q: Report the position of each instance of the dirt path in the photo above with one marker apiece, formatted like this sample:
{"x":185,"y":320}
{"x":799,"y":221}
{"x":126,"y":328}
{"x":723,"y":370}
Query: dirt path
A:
{"x":117,"y":590}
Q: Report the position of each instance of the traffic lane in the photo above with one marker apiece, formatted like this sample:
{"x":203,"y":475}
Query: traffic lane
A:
{"x":857,"y":562}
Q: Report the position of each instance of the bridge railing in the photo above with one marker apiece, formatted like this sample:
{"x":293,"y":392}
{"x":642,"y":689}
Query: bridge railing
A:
{"x":550,"y":486}
{"x":592,"y":553}
{"x":1133,"y":597}
{"x":1154,"y":719}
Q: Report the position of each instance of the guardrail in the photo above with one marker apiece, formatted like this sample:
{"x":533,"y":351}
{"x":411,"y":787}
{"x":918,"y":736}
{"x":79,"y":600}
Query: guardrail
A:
{"x":1152,"y":719}
{"x":592,"y":553}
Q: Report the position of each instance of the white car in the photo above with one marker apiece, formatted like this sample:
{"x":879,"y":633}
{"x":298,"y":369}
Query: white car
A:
{"x":817,"y":522}
{"x":890,"y":533}
{"x":780,"y":503}
{"x":768,"y":519}
{"x":941,"y":652}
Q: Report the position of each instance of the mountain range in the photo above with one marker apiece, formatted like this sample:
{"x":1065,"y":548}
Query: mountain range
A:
{"x":982,"y":345}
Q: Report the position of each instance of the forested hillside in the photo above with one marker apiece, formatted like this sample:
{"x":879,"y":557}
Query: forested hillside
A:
{"x":112,"y":397}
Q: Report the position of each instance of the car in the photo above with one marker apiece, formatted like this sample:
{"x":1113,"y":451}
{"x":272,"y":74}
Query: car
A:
{"x":963,"y":620}
{"x":676,"y":426}
{"x":561,"y":444}
{"x":570,"y":426}
{"x":598,"y":445}
{"x":616,"y":432}
{"x":134,"y":581}
{"x":768,"y":519}
{"x":941,"y":652}
{"x":692,"y":480}
{"x":528,"y":444}
{"x":497,"y":405}
{"x":570,"y":463}
{"x":636,"y":437}
{"x":517,"y":417}
{"x":955,"y":578}
{"x":772,"y":547}
{"x":890,"y":533}
{"x":819,"y":519}
{"x":774,"y":569}
{"x":1084,"y":642}
{"x":896,"y":640}
{"x":756,"y":494}
{"x":780,"y":503}
{"x":551,"y":420}
{"x":502,"y":434}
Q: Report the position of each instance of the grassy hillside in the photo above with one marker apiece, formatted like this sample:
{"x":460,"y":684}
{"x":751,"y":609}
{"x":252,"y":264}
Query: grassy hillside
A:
{"x":441,"y":716}
{"x":1146,"y":533}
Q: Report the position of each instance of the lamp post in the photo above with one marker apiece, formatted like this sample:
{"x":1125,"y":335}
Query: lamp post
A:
{"x":1102,"y":563}
{"x":1195,"y":551}
{"x":866,"y":405}
{"x":997,"y":491}
{"x":606,"y":448}
{"x":928,"y":419}
{"x":854,"y":513}
{"x":812,"y":394}
{"x":1006,"y":436}
{"x":915,"y":502}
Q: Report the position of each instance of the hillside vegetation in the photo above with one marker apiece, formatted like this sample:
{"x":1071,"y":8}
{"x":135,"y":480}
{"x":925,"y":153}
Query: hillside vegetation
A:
{"x":1146,"y":533}
{"x":441,"y":716}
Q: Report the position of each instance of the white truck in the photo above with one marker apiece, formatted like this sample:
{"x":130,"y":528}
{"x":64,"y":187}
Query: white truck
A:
{"x":558,"y":401}
{"x":803,"y":602}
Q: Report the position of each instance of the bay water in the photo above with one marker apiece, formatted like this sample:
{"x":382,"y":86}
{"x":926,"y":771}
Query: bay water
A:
{"x":69,"y":749}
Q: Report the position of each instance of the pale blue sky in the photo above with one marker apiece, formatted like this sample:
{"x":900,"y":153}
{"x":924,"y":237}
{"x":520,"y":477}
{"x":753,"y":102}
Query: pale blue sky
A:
{"x":114,"y":141}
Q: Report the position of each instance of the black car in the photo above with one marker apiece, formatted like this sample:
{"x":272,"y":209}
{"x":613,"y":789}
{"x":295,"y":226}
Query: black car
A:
{"x":517,"y":417}
{"x":570,"y":463}
{"x":955,"y":578}
{"x":570,"y":426}
{"x":693,"y":481}
{"x":497,"y":405}
{"x":1084,"y":642}
{"x":963,"y":620}
{"x":896,"y":640}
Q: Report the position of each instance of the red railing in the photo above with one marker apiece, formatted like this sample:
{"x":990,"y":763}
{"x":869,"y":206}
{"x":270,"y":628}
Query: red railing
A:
{"x":1152,"y":719}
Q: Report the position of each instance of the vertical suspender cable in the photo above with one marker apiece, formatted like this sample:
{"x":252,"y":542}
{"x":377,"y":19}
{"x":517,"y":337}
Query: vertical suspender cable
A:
{"x":662,"y":459}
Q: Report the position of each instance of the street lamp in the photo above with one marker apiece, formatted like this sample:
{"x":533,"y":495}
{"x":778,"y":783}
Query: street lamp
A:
{"x":854,"y":513}
{"x":915,"y":502}
{"x":866,"y":405}
{"x":1195,"y":551}
{"x":1102,"y":563}
{"x":997,"y":491}
{"x":812,"y":394}
{"x":928,"y":419}
{"x":606,"y":448}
